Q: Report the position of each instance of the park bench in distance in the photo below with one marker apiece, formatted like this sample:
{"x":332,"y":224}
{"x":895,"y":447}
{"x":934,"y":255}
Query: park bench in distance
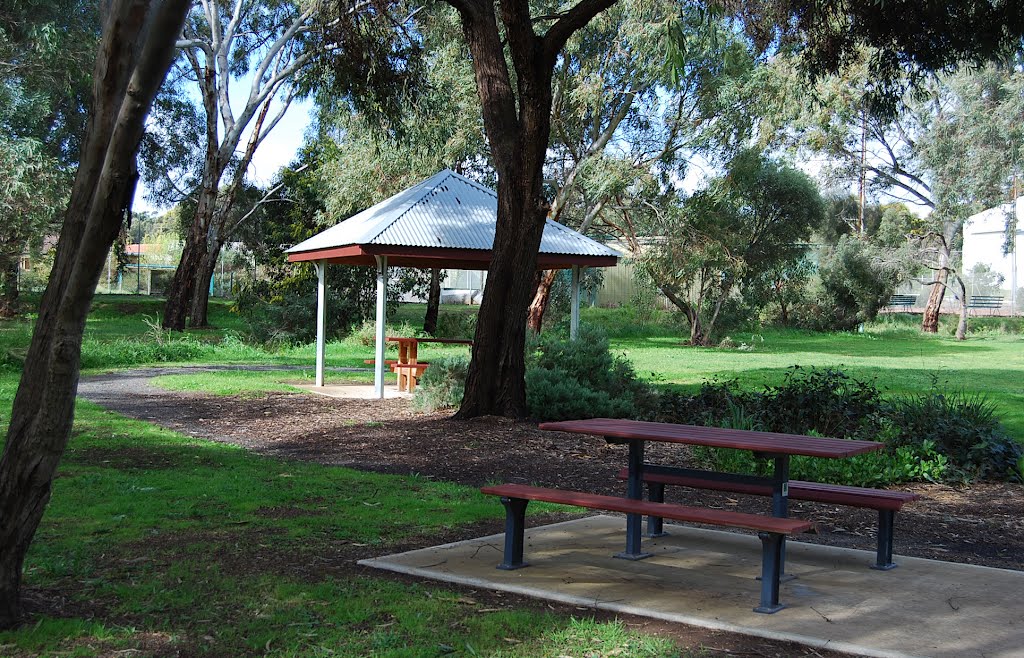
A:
{"x":902,"y":301}
{"x":991,"y":302}
{"x":886,"y":502}
{"x":771,"y":530}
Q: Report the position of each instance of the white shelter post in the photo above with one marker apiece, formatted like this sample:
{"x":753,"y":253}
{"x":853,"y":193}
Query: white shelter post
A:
{"x":321,"y":318}
{"x":574,"y":313}
{"x":378,"y":355}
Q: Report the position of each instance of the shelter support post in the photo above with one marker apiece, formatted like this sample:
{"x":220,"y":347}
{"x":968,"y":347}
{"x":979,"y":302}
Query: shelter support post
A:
{"x":378,"y":355}
{"x":574,"y":317}
{"x":321,"y":318}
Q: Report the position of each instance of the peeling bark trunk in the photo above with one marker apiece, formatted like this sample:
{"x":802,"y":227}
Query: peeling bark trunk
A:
{"x":134,"y":54}
{"x":961,"y":326}
{"x":200,"y":304}
{"x":193,"y":256}
{"x":930,"y":321}
{"x":433,"y":302}
{"x":535,"y":317}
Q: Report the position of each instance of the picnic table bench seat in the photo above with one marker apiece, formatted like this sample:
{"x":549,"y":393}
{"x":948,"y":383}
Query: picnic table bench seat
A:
{"x":770,"y":529}
{"x":887,"y":502}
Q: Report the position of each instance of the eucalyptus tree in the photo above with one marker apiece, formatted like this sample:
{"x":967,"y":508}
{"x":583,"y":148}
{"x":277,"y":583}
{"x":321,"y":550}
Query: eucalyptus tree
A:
{"x":754,"y":219}
{"x":515,"y":48}
{"x":255,"y":49}
{"x":624,"y":118}
{"x":32,"y":188}
{"x":135,"y":51}
{"x":45,"y":76}
{"x":950,"y":147}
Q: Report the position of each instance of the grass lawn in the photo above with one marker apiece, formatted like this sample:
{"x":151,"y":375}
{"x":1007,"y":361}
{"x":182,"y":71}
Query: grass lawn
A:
{"x":160,"y":543}
{"x":156,"y":542}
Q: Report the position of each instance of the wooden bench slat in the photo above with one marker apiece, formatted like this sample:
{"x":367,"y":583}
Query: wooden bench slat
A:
{"x":664,"y":510}
{"x":835,"y":494}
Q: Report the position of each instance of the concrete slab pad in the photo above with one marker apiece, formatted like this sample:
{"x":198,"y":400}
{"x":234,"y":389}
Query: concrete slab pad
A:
{"x":354,"y":391}
{"x":706,"y":578}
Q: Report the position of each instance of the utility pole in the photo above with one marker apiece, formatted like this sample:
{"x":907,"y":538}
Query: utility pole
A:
{"x":863,"y":158}
{"x":1013,"y":250}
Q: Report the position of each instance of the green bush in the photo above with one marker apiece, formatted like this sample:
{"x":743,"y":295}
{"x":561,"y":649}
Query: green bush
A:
{"x":935,"y":436}
{"x":961,"y":426}
{"x":455,"y":325}
{"x":556,"y":395}
{"x":442,"y":384}
{"x":582,"y":365}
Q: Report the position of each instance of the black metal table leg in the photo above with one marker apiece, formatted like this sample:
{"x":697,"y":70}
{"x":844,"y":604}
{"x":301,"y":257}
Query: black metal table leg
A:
{"x":883,"y":559}
{"x":771,"y":570}
{"x":780,"y":505}
{"x":515,"y":529}
{"x":634,"y":490}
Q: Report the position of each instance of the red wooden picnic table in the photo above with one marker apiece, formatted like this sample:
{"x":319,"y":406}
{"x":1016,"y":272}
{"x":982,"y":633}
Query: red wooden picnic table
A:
{"x":408,"y":348}
{"x":773,"y":446}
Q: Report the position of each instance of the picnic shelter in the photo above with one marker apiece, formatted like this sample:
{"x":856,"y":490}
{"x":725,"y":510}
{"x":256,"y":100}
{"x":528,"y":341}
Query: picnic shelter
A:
{"x":447,"y":221}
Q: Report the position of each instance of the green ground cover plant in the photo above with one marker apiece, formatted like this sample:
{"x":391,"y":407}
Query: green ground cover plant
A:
{"x":936,"y":435}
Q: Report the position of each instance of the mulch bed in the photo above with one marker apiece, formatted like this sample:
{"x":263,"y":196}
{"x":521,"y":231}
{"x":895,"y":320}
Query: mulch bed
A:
{"x":981,"y":524}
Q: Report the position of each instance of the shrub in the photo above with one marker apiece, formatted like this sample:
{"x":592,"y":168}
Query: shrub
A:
{"x":442,"y":384}
{"x":825,"y":401}
{"x":556,"y":395}
{"x":964,"y":428}
{"x":564,"y":379}
{"x":601,"y":384}
{"x":934,"y":436}
{"x":455,"y":325}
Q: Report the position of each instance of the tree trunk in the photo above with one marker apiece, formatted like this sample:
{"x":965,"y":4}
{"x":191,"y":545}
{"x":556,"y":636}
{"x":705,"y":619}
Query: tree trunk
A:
{"x":495,"y":384}
{"x":535,"y":319}
{"x":517,"y":120}
{"x":200,"y":302}
{"x":930,"y":321}
{"x":433,"y":302}
{"x":182,"y":290}
{"x":8,"y":287}
{"x":135,"y":52}
{"x":961,"y":326}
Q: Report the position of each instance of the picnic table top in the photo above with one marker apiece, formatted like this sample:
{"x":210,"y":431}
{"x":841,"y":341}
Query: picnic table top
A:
{"x":447,"y":341}
{"x":717,"y":437}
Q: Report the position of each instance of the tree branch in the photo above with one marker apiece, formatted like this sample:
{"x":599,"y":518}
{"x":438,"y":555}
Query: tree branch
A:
{"x":568,"y":23}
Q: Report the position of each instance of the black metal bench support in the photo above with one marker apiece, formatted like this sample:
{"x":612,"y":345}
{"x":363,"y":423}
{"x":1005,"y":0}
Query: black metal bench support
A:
{"x":771,"y":571}
{"x":634,"y":490}
{"x":883,"y":558}
{"x":515,"y":530}
{"x":656,"y":524}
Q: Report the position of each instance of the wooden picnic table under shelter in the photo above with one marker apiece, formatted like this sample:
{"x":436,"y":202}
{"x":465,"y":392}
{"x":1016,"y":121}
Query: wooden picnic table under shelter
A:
{"x":447,"y":221}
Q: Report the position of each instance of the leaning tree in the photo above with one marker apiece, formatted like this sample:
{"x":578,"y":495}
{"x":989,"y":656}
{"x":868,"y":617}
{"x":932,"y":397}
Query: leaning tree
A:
{"x":134,"y":54}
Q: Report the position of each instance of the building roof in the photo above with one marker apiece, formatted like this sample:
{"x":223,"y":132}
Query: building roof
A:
{"x":445,"y":218}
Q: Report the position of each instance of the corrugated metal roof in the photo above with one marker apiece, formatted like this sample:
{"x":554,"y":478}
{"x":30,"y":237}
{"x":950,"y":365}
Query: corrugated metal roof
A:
{"x":445,"y":211}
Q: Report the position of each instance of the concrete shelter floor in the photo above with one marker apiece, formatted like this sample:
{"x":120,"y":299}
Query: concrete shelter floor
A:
{"x":707,"y":578}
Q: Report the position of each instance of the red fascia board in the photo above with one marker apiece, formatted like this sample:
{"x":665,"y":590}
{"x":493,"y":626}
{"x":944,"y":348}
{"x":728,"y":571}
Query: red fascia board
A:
{"x":469,"y":259}
{"x":351,"y":251}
